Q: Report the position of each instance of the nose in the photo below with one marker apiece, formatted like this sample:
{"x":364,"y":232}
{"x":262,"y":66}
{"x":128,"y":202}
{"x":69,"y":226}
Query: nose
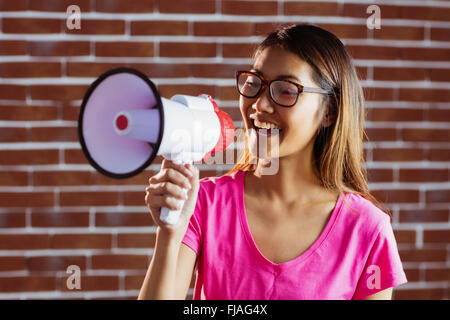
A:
{"x":264,"y":102}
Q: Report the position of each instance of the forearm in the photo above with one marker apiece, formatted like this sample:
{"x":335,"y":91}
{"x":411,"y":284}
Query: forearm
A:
{"x":159,"y":282}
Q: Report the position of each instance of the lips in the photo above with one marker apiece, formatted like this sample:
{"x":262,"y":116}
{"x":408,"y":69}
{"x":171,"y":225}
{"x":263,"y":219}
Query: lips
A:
{"x":262,"y":124}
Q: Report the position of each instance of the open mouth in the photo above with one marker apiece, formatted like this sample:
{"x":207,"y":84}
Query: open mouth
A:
{"x":265,"y":129}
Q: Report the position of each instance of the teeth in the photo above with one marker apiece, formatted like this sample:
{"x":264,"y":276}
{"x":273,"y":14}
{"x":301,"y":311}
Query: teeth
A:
{"x":265,"y":125}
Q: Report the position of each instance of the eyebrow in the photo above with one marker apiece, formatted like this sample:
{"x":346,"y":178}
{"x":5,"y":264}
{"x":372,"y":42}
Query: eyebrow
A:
{"x":286,"y":76}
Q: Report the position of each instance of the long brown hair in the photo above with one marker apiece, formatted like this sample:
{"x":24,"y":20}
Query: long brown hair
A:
{"x":338,"y":148}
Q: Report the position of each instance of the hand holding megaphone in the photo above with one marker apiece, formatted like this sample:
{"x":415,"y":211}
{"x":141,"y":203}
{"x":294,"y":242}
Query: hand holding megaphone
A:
{"x":173,"y":188}
{"x":124,"y":124}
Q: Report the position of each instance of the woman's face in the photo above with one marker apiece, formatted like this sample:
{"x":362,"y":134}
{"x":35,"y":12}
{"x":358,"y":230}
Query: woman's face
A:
{"x":298,"y":124}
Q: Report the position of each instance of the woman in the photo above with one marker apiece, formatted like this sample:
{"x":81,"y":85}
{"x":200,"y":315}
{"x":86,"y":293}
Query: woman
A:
{"x":294,"y":219}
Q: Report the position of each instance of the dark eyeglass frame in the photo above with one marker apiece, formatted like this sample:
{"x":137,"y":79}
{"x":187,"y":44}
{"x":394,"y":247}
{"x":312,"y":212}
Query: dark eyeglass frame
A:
{"x":267,"y":83}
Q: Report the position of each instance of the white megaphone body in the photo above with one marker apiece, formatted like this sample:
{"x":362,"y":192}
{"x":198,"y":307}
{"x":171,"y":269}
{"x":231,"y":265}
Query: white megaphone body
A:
{"x":124,"y":124}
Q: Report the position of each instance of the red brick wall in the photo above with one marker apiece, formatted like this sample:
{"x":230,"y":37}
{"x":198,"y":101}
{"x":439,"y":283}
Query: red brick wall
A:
{"x":56,"y":211}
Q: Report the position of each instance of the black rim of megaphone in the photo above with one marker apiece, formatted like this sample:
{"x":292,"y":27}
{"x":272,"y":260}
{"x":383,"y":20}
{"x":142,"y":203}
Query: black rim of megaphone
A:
{"x":155,"y":146}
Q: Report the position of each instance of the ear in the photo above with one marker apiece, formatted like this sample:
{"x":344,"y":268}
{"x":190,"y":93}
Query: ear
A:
{"x":330,"y":115}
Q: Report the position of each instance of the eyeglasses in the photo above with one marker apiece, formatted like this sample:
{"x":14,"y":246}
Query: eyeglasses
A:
{"x":283,"y":92}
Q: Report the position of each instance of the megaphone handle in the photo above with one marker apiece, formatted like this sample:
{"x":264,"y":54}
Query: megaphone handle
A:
{"x":171,"y":216}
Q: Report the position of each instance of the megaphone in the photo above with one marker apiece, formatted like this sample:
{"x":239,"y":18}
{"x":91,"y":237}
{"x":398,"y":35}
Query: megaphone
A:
{"x":124,"y":124}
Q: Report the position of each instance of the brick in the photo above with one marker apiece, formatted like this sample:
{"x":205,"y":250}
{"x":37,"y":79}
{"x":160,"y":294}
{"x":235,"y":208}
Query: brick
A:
{"x":428,"y":95}
{"x":439,"y":154}
{"x":216,"y":70}
{"x":399,"y":33}
{"x":440,"y":274}
{"x":124,"y":49}
{"x":397,"y":196}
{"x":419,"y":134}
{"x":59,"y":48}
{"x":380,"y":175}
{"x":12,"y":264}
{"x":223,"y":29}
{"x":62,"y":178}
{"x":440,"y":34}
{"x":395,"y":114}
{"x":373,"y":52}
{"x":392,"y":154}
{"x":359,"y":11}
{"x":420,"y":294}
{"x":74,"y":156}
{"x":238,"y":50}
{"x":89,"y":198}
{"x":378,"y":134}
{"x":58,"y":92}
{"x":439,"y":74}
{"x":405,"y":236}
{"x":140,"y":179}
{"x":141,"y":240}
{"x":12,"y":92}
{"x":55,"y":263}
{"x":193,"y":90}
{"x":59,"y":219}
{"x":187,"y":6}
{"x":124,"y":6}
{"x":120,"y":261}
{"x":93,"y":283}
{"x":54,"y":134}
{"x":436,"y":236}
{"x":81,"y":241}
{"x":11,"y":134}
{"x":134,"y":198}
{"x":29,"y":157}
{"x":378,"y":94}
{"x":31,"y":25}
{"x":439,"y":115}
{"x":257,"y":8}
{"x":27,"y":284}
{"x":13,"y":178}
{"x":168,"y":28}
{"x":12,"y":220}
{"x":134,"y":282}
{"x":423,"y":215}
{"x":400,"y":74}
{"x":346,"y":31}
{"x":101,"y":27}
{"x":32,"y":113}
{"x":425,"y":54}
{"x":311,"y":8}
{"x":26,"y":199}
{"x":58,"y":5}
{"x":17,"y":5}
{"x":30,"y":69}
{"x":180,"y":49}
{"x":24,"y":241}
{"x":13,"y":47}
{"x":412,"y":275}
{"x":228,"y":94}
{"x":126,"y":219}
{"x":437,"y":196}
{"x":421,"y":255}
{"x":423,"y":175}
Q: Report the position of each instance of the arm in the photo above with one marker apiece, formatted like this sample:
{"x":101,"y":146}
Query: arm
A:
{"x":381,"y":295}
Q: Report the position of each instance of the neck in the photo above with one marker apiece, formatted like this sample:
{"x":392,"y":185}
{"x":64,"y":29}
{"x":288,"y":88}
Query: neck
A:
{"x":295,"y":180}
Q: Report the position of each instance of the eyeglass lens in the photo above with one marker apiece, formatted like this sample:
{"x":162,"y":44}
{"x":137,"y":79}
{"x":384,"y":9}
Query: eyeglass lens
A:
{"x":282,"y":92}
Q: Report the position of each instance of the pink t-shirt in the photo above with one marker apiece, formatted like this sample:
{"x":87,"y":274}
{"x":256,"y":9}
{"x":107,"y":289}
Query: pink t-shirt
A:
{"x":355,"y":256}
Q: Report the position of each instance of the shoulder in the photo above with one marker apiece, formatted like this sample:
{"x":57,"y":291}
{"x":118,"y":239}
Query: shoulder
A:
{"x":362,"y":213}
{"x":222,"y":185}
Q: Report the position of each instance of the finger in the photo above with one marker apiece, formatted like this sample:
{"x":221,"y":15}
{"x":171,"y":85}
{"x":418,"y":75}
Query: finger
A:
{"x":167,"y":188}
{"x":178,"y":166}
{"x":164,"y":201}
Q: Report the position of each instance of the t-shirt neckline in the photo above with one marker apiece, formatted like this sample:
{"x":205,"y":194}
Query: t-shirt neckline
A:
{"x":302,"y":257}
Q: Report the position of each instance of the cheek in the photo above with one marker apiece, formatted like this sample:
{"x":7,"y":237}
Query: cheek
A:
{"x":303,"y":121}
